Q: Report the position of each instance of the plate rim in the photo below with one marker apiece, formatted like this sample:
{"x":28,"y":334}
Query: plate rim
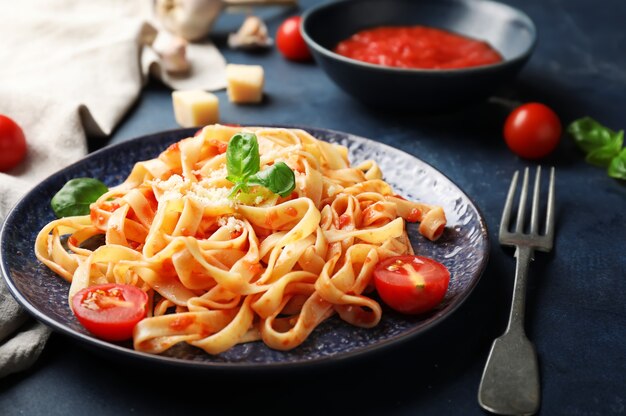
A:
{"x":129,"y":353}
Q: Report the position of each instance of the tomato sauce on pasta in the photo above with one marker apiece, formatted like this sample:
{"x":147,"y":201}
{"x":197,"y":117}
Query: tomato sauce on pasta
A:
{"x":219,"y":272}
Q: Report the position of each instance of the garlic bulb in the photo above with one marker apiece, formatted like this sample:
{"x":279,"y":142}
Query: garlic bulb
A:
{"x":190,"y":19}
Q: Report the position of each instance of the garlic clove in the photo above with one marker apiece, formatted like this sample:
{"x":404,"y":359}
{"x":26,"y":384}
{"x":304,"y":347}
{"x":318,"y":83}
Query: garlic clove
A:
{"x":172,"y":52}
{"x":252,"y":34}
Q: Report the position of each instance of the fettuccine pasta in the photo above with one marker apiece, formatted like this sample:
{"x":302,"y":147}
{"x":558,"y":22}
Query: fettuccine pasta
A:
{"x":220,"y":271}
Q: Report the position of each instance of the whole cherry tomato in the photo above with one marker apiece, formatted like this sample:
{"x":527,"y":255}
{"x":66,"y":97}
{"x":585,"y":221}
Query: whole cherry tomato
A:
{"x":12,"y":144}
{"x":290,"y":42}
{"x":110,"y":311}
{"x":532,"y":130}
{"x":411,"y":284}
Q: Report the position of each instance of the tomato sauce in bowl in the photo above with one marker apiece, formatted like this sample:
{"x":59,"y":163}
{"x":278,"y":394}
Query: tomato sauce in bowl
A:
{"x":417,"y":47}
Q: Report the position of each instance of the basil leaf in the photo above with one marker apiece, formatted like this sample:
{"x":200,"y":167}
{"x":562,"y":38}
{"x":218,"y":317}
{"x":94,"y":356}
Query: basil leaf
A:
{"x":617,"y":167}
{"x":590,"y":135}
{"x":602,"y":156}
{"x":278,"y":178}
{"x":242,"y":157}
{"x":243,"y":163}
{"x":76,"y":196}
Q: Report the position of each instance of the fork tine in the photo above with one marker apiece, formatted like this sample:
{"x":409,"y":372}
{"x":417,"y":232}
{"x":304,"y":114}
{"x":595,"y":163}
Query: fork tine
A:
{"x":534,"y":214}
{"x":519,"y":227}
{"x":550,"y":211}
{"x":506,"y":212}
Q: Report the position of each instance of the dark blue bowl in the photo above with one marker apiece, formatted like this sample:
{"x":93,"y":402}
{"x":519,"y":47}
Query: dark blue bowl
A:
{"x":508,"y":30}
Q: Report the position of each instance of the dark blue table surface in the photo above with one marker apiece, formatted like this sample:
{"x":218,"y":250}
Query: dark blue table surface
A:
{"x":576,"y":311}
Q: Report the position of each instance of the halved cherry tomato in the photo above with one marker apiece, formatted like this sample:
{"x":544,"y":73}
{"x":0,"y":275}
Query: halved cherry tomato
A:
{"x":110,"y":311}
{"x":12,"y":144}
{"x":411,"y":284}
{"x":290,"y":42}
{"x":532,"y":130}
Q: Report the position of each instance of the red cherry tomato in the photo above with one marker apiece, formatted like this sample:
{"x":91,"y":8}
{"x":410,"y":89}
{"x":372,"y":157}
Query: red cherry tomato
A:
{"x":532,"y":131}
{"x":289,"y":40}
{"x":110,"y":311}
{"x":12,"y":144}
{"x":411,"y":284}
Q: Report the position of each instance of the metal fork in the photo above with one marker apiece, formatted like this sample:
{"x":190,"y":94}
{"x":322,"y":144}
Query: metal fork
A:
{"x":510,"y":381}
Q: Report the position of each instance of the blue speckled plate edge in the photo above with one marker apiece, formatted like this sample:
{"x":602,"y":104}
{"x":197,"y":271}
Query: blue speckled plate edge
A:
{"x":428,"y":323}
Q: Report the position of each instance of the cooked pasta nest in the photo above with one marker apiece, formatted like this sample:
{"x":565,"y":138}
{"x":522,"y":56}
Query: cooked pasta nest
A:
{"x":221,"y":271}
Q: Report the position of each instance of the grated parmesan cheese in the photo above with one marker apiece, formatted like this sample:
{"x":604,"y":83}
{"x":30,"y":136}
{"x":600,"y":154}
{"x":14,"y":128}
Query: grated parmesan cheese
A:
{"x":210,"y":196}
{"x":176,"y":187}
{"x":170,"y":183}
{"x":232,"y":224}
{"x":220,"y":173}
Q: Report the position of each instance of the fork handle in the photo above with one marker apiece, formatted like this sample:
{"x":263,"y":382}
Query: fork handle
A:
{"x":524,"y":255}
{"x":510,"y":384}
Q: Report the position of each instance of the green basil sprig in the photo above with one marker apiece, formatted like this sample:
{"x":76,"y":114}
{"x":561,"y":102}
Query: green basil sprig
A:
{"x":617,"y":168}
{"x":243,"y":165}
{"x":76,"y":196}
{"x":603,"y":146}
{"x":278,"y":178}
{"x":242,"y":157}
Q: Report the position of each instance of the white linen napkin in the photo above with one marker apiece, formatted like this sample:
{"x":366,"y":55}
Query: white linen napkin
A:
{"x":70,"y":70}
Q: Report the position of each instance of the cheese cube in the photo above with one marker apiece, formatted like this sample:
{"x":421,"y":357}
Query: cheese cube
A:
{"x":194,"y":108}
{"x":244,"y":83}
